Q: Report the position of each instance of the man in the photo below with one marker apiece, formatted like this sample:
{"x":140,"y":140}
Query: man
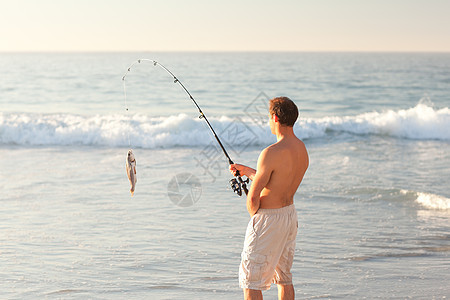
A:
{"x":270,"y":238}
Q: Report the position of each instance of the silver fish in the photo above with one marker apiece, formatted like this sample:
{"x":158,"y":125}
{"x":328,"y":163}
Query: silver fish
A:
{"x":131,"y":170}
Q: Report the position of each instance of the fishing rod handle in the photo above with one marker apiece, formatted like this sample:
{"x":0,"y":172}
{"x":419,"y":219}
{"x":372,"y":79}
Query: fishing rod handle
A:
{"x":244,"y":185}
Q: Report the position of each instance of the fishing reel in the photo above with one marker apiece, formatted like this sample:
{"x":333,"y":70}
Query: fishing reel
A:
{"x":237,"y":184}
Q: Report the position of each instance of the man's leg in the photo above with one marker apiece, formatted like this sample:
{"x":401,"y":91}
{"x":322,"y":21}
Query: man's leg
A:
{"x":286,"y":292}
{"x":252,"y":294}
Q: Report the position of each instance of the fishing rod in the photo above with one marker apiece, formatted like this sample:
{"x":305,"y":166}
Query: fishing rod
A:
{"x":237,"y":184}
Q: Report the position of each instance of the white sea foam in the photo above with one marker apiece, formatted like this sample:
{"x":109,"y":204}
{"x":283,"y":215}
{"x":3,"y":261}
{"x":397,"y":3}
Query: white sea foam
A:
{"x":429,"y":201}
{"x":420,"y":122}
{"x":433,"y":201}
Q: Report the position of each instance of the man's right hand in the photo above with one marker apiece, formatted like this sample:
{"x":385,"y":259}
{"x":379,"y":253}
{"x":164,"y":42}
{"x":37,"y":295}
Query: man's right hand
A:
{"x":243,"y":170}
{"x":234,"y":168}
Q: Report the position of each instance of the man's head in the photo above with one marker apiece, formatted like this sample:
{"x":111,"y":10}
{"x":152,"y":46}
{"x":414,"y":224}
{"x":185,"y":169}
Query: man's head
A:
{"x":284,"y":109}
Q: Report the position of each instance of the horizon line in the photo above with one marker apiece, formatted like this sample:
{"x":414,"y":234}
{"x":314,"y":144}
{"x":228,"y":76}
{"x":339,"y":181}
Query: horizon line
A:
{"x":217,"y":51}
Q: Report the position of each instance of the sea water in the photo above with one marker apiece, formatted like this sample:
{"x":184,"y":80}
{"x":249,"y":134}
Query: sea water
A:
{"x":374,"y":208}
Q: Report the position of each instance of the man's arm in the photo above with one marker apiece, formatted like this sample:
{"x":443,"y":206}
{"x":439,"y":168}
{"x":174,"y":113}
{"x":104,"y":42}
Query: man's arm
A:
{"x":261,"y":178}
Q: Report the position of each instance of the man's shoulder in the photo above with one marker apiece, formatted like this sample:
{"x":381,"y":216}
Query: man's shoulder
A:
{"x":272,"y":153}
{"x":285,"y":144}
{"x":268,"y":153}
{"x":274,"y":148}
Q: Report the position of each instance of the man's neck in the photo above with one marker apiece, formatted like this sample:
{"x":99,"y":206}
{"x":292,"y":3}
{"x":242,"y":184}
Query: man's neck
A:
{"x":284,"y":132}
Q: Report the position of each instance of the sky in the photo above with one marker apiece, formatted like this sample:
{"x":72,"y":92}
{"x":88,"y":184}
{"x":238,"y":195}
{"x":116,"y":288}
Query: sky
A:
{"x":224,"y":25}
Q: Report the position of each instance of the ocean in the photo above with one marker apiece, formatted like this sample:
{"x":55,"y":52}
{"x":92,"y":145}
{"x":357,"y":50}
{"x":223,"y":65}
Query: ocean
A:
{"x":374,"y":206}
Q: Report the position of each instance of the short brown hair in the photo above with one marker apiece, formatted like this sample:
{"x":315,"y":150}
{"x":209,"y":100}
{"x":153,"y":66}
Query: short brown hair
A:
{"x":285,"y":109}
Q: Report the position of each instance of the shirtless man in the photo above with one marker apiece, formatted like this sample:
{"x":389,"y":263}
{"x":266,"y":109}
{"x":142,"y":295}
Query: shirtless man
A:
{"x":270,"y":238}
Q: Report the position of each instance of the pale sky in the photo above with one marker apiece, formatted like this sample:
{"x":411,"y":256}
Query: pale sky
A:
{"x":224,"y":25}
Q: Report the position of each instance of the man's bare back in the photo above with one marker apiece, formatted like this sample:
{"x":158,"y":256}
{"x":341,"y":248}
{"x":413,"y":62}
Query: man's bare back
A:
{"x":287,"y":161}
{"x":279,"y":171}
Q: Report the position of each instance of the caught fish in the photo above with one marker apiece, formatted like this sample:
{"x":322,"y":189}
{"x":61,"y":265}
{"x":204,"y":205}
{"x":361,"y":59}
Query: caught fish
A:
{"x":131,"y":170}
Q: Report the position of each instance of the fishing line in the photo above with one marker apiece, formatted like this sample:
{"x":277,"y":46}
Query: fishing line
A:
{"x":126,"y":109}
{"x":237,"y":184}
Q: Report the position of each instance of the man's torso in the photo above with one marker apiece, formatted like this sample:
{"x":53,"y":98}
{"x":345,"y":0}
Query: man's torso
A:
{"x":288,"y":161}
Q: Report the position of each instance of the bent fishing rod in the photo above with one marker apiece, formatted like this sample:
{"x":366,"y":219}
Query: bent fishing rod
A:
{"x":237,"y":184}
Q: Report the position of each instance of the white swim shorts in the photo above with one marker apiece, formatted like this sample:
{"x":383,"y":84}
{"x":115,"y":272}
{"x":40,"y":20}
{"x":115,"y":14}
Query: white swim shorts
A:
{"x":269,"y":248}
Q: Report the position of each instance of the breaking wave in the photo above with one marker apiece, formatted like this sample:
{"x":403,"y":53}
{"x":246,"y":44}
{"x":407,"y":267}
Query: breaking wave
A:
{"x":433,"y":201}
{"x":428,"y":200}
{"x":419,"y":122}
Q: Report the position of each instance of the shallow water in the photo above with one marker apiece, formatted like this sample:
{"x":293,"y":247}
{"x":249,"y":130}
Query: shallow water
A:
{"x":373,"y":208}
